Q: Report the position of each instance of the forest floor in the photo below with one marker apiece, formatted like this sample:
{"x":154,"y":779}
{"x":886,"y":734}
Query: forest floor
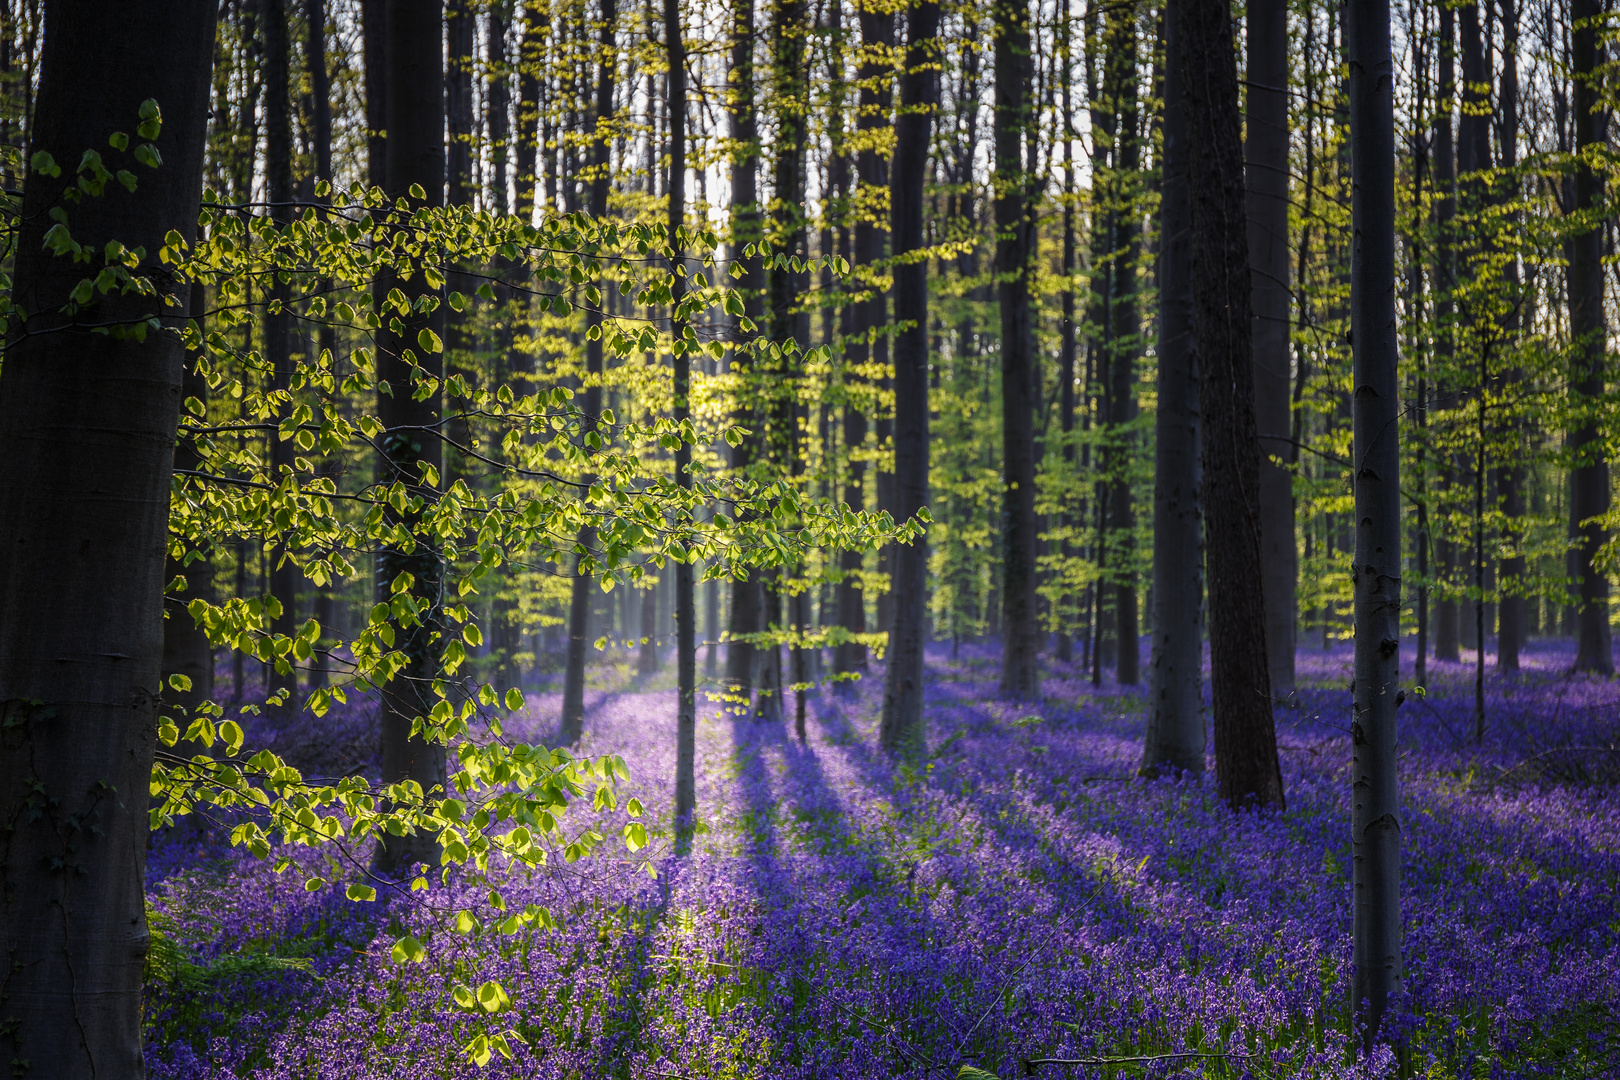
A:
{"x":1017,"y":895}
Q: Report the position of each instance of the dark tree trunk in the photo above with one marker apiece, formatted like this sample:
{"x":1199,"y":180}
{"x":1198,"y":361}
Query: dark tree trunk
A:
{"x":1447,"y":632}
{"x":87,"y":427}
{"x":1510,"y":635}
{"x":459,"y":26}
{"x":1067,"y":342}
{"x":1245,"y":738}
{"x":573,"y":704}
{"x":1266,"y":177}
{"x":1125,"y":337}
{"x":1589,"y":476}
{"x":1376,"y":574}
{"x":902,"y":724}
{"x":1175,"y":733}
{"x":414,"y":66}
{"x":685,"y":608}
{"x":278,"y":150}
{"x":747,"y":596}
{"x":320,"y":135}
{"x":1021,"y":642}
{"x":374,"y":42}
{"x":877,"y":34}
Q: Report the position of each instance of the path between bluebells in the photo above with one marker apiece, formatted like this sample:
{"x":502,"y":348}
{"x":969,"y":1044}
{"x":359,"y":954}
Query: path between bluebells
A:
{"x":1017,"y":895}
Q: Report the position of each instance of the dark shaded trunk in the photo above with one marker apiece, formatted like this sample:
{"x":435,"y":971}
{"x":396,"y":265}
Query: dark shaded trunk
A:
{"x":374,"y":44}
{"x":1589,"y":473}
{"x":414,"y":66}
{"x":685,"y":609}
{"x":1447,"y":631}
{"x":1245,"y":738}
{"x":1266,"y":178}
{"x":1510,"y":634}
{"x":573,"y":703}
{"x":747,"y":596}
{"x":1067,"y":339}
{"x":320,"y":135}
{"x":278,"y":150}
{"x":459,"y":27}
{"x":1124,"y":337}
{"x":1021,"y":642}
{"x":1376,"y":573}
{"x":877,"y":34}
{"x":1175,"y":732}
{"x":902,"y":724}
{"x":87,"y":427}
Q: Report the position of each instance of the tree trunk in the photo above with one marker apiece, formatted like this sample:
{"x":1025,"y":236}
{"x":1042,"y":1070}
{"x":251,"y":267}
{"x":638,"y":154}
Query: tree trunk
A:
{"x":1125,"y":337}
{"x":1266,"y":177}
{"x":374,"y":43}
{"x":87,"y":426}
{"x":1175,"y":733}
{"x":1376,"y":574}
{"x":685,"y":608}
{"x":1245,"y":738}
{"x":1021,"y":642}
{"x":414,"y":64}
{"x":186,"y":648}
{"x":877,"y":35}
{"x":1510,"y":634}
{"x":747,"y":596}
{"x":278,"y":150}
{"x":531,"y":68}
{"x":902,"y":725}
{"x":1067,"y":342}
{"x":579,"y":608}
{"x":1447,"y":632}
{"x":1589,"y":476}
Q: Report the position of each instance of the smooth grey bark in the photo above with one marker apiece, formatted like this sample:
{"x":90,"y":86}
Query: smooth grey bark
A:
{"x":531,"y":60}
{"x":1589,"y":475}
{"x":1021,"y":637}
{"x":87,"y":434}
{"x":1376,"y":573}
{"x":1175,"y":730}
{"x":1245,"y":736}
{"x":901,"y":729}
{"x":1447,"y":631}
{"x":278,"y":150}
{"x":1266,"y":180}
{"x":1125,"y":335}
{"x":583,"y":586}
{"x":414,"y":69}
{"x":747,"y":596}
{"x":685,"y":608}
{"x":869,"y":315}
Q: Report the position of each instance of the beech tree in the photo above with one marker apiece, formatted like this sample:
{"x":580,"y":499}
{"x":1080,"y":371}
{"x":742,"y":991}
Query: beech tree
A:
{"x":90,"y":394}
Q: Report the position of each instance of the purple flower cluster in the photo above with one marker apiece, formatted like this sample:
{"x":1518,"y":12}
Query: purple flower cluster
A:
{"x":1016,"y":895}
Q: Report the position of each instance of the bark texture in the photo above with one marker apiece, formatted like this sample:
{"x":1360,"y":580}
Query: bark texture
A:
{"x":1266,"y":178}
{"x":1021,"y":637}
{"x":1376,"y":574}
{"x":87,"y":434}
{"x":1175,"y":733}
{"x":414,"y":66}
{"x":902,"y":725}
{"x":1245,"y":737}
{"x":1589,"y":479}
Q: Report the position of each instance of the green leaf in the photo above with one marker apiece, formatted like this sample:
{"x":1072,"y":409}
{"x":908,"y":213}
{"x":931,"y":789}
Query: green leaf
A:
{"x":968,"y":1072}
{"x":492,"y":997}
{"x":231,"y":732}
{"x":635,"y":836}
{"x":429,"y":341}
{"x":514,"y":699}
{"x":180,"y":682}
{"x":360,"y":892}
{"x":409,"y":949}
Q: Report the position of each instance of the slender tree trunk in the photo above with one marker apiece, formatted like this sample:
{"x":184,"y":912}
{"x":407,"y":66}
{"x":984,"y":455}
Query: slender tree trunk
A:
{"x":579,"y":607}
{"x":414,"y":64}
{"x":1245,"y":737}
{"x":278,"y":151}
{"x":1125,"y":337}
{"x":1447,"y":632}
{"x":902,"y":725}
{"x":320,"y":95}
{"x":531,"y":69}
{"x":747,"y":596}
{"x":1067,"y":343}
{"x":1589,"y":476}
{"x":872,"y":115}
{"x":1020,"y":667}
{"x":1175,"y":733}
{"x":1376,"y":574}
{"x":374,"y":42}
{"x":87,"y":427}
{"x":1510,"y":635}
{"x":685,"y":608}
{"x":1266,"y":178}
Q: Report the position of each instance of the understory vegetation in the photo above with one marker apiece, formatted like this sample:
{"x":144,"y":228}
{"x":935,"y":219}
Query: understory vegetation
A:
{"x":1019,"y":894}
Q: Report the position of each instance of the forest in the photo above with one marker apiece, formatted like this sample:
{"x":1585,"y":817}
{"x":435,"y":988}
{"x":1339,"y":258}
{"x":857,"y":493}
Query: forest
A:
{"x":811,"y":538}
